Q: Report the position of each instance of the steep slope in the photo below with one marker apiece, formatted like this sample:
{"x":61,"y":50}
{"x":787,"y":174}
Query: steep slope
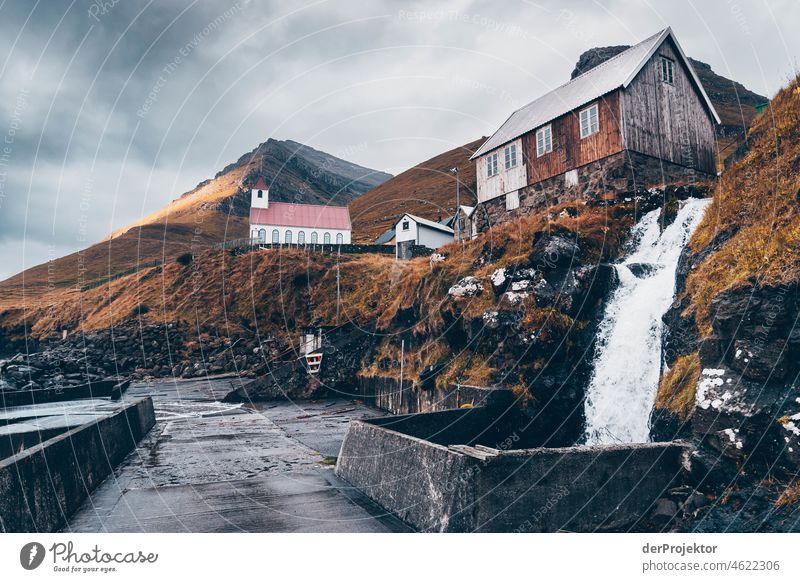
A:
{"x":427,"y":190}
{"x":734,"y":102}
{"x":215,"y":210}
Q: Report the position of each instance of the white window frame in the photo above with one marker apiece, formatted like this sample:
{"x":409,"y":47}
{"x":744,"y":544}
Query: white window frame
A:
{"x":339,"y":238}
{"x":667,"y":70}
{"x":545,"y":144}
{"x":276,"y":237}
{"x":510,"y":156}
{"x":588,"y":129}
{"x":406,"y":225}
{"x":326,"y":238}
{"x":314,"y":237}
{"x":301,"y":237}
{"x":491,"y":165}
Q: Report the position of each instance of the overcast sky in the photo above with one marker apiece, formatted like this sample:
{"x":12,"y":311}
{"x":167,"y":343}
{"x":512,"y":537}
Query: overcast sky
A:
{"x":110,"y":109}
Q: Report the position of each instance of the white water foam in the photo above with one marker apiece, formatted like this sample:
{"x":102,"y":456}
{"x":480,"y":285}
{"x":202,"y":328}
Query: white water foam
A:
{"x":628,"y":357}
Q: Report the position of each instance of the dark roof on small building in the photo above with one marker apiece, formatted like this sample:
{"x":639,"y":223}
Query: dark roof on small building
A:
{"x":387,"y":235}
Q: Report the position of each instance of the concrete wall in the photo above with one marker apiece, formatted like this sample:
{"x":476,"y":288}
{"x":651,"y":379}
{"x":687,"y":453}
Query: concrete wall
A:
{"x":42,"y":486}
{"x":443,"y":486}
{"x":385,"y":393}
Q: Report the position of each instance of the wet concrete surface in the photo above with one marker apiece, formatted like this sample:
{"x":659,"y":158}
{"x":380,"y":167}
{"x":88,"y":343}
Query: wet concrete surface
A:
{"x":22,"y":427}
{"x":213,"y":467}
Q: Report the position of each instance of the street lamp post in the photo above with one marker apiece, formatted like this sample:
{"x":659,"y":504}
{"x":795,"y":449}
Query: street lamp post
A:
{"x":458,"y":204}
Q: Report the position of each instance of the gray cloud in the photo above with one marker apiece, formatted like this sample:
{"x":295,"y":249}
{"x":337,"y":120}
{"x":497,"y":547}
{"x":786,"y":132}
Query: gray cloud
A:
{"x":143,"y":101}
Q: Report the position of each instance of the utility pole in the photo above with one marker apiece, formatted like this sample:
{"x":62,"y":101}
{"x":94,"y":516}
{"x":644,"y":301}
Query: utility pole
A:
{"x":338,"y":286}
{"x":458,"y":204}
{"x":402,"y":358}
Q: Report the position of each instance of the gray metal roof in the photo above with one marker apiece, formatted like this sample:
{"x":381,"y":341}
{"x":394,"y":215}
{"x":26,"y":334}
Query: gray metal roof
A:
{"x":387,"y":235}
{"x":429,"y":223}
{"x":612,"y":74}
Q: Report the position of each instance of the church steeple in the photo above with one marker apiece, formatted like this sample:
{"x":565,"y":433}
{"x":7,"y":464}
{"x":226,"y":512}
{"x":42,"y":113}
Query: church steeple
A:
{"x":259,"y":194}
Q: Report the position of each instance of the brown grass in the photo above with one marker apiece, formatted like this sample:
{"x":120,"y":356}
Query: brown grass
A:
{"x":676,"y":392}
{"x":757,"y":202}
{"x":427,"y":190}
{"x":790,"y":495}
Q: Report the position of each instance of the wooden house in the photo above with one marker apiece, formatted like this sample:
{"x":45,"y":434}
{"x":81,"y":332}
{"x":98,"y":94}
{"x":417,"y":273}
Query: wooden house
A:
{"x":639,"y":119}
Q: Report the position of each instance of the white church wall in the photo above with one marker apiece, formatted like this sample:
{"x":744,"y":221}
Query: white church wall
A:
{"x":295,"y":234}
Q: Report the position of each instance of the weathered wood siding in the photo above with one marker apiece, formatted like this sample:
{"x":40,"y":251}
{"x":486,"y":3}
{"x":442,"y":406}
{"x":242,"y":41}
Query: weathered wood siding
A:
{"x":506,"y":180}
{"x":569,"y":149}
{"x":668,"y":121}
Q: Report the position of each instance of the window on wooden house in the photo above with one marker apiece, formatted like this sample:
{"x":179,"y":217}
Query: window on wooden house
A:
{"x":262,"y":235}
{"x":491,"y":165}
{"x":544,"y":140}
{"x":339,"y":238}
{"x":510,"y":154}
{"x":667,"y":70}
{"x":314,"y":238}
{"x":301,"y":237}
{"x":276,"y":237}
{"x":589,"y":121}
{"x":327,"y":238}
{"x":406,"y":225}
{"x":288,"y":237}
{"x":260,"y":194}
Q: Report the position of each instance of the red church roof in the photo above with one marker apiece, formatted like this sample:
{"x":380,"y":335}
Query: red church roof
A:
{"x":260,"y":184}
{"x":301,"y":215}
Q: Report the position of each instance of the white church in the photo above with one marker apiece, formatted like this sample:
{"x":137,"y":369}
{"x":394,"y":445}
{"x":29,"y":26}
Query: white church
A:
{"x":298,"y":224}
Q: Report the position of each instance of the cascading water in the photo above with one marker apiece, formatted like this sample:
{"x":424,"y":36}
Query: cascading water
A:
{"x":627,"y":363}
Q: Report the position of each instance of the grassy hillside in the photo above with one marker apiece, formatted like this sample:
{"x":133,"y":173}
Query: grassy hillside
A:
{"x":427,"y":190}
{"x":215,"y":210}
{"x":753,"y":226}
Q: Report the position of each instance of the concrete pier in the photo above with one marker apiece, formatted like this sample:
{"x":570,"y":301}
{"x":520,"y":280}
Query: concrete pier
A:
{"x":209,"y":466}
{"x":56,"y":454}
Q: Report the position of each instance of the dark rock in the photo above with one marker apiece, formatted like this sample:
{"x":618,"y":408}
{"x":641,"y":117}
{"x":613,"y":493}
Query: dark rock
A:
{"x":553,"y":250}
{"x":664,"y":511}
{"x":642,"y":270}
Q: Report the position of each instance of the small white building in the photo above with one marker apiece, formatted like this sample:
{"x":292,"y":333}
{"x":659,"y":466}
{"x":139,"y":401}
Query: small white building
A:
{"x":413,"y":230}
{"x":299,"y":224}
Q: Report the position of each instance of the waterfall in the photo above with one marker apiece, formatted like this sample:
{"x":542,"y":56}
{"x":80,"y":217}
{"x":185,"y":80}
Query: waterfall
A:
{"x":627,"y":362}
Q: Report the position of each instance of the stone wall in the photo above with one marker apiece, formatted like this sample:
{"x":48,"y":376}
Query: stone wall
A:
{"x":448,"y":487}
{"x":623,"y":172}
{"x":42,"y":486}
